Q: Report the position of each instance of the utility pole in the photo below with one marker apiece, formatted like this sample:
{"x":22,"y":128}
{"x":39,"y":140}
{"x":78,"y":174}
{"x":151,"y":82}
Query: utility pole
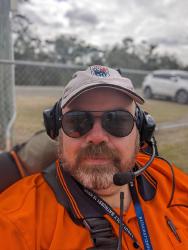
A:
{"x":7,"y":82}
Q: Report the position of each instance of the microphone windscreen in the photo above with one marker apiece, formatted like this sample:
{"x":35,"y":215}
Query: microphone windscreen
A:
{"x":121,"y":179}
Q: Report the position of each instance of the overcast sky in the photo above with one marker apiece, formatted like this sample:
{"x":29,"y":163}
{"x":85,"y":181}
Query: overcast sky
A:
{"x":101,"y":22}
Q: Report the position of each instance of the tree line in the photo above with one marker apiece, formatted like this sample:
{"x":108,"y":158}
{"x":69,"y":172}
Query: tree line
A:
{"x":70,"y":50}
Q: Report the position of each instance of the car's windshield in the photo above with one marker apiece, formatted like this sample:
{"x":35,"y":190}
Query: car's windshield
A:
{"x":185,"y":77}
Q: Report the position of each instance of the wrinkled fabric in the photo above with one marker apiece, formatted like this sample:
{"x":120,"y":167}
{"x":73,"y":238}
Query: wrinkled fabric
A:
{"x":32,"y":219}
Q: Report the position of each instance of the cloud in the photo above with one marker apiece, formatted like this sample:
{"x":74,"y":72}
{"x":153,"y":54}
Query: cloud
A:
{"x":103,"y":22}
{"x":78,"y":16}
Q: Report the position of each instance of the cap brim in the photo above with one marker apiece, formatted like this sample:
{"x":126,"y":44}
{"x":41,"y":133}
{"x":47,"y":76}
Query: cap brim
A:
{"x":85,"y":88}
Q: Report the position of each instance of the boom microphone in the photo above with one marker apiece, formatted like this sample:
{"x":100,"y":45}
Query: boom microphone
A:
{"x":121,"y":179}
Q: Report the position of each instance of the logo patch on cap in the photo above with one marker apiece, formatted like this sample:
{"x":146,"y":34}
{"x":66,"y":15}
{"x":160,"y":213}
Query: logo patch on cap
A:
{"x":99,"y":71}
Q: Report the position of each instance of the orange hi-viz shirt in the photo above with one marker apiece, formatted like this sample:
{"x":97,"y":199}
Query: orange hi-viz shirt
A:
{"x":32,"y":219}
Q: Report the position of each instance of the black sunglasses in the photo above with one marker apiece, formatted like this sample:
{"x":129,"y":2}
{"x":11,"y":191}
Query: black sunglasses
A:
{"x":118,"y":123}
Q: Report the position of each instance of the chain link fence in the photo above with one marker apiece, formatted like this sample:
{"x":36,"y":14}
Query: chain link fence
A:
{"x":55,"y":74}
{"x":37,"y":74}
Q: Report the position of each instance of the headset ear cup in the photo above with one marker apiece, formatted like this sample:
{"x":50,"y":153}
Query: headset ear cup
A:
{"x":145,"y":124}
{"x":52,"y":120}
{"x":148,"y":127}
{"x":57,"y":118}
{"x":139,"y":121}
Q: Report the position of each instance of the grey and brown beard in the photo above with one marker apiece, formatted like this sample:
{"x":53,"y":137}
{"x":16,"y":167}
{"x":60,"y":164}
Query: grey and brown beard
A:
{"x":97,"y":177}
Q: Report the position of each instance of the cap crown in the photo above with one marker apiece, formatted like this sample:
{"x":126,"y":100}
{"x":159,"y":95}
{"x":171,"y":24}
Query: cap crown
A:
{"x":98,"y":76}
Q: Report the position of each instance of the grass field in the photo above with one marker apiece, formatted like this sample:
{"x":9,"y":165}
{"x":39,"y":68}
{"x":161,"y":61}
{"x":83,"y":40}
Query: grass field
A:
{"x":172,"y":143}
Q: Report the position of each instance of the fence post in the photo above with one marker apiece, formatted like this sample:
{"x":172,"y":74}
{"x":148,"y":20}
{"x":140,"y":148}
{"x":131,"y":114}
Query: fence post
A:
{"x":7,"y":85}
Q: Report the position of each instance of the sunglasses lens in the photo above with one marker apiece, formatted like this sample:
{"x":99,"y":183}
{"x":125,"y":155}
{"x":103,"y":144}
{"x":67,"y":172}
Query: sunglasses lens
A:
{"x":118,"y":123}
{"x":77,"y":123}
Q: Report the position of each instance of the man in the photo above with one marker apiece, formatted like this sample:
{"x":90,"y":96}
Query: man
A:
{"x":99,"y":127}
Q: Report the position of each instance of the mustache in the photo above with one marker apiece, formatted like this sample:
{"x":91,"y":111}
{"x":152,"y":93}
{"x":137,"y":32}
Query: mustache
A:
{"x":97,"y":151}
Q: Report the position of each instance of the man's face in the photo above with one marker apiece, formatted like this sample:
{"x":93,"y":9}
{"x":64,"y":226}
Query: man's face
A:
{"x":95,"y":157}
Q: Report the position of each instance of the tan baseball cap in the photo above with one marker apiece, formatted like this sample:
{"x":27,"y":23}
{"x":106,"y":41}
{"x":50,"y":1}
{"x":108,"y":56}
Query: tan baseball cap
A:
{"x":98,"y":76}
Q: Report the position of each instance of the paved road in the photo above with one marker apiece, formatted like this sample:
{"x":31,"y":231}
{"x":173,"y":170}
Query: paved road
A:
{"x":165,"y":125}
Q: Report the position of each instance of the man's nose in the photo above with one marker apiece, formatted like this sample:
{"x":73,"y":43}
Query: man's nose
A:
{"x":97,"y":134}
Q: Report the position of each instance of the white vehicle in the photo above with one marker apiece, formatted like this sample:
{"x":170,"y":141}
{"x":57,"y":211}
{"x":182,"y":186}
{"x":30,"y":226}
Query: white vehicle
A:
{"x":167,"y":84}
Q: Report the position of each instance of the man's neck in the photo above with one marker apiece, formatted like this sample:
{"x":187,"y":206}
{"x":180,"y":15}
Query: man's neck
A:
{"x":113,"y":197}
